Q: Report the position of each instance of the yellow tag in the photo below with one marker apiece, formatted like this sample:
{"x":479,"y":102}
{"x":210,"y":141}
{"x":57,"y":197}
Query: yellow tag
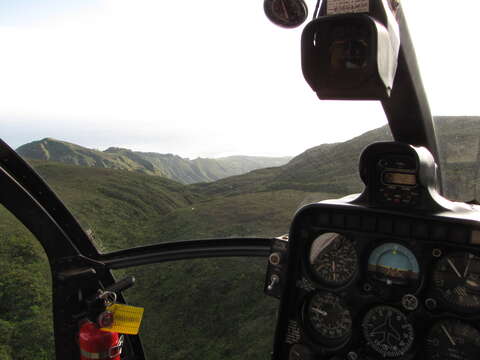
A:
{"x":126,"y":319}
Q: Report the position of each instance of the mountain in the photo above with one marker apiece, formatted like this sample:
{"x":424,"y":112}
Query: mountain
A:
{"x":333,"y":168}
{"x":188,"y":303}
{"x":166,"y":165}
{"x":327,"y":168}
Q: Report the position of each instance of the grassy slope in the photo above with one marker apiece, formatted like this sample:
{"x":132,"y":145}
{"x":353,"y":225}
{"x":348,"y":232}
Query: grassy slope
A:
{"x":191,"y":303}
{"x":459,"y":144}
{"x":25,"y":294}
{"x":116,"y":205}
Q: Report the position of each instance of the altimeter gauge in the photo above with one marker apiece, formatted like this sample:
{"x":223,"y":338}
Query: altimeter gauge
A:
{"x":456,"y":277}
{"x":453,"y":340}
{"x":333,"y":259}
{"x":388,"y":331}
{"x":329,"y":318}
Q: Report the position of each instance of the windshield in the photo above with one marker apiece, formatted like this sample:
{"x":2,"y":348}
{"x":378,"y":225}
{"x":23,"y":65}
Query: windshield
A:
{"x":209,"y":95}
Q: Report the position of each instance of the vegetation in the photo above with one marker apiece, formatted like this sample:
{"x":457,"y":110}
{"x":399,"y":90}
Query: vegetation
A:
{"x":25,"y":294}
{"x":189,"y":303}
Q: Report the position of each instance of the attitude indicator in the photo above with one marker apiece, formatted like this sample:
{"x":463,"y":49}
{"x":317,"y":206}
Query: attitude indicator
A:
{"x":393,"y":264}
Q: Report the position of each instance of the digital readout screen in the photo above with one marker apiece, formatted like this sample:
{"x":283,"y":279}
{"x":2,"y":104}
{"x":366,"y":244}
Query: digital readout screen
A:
{"x":395,"y":178}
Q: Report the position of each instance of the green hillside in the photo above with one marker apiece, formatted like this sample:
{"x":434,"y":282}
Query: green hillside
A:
{"x":190,"y":302}
{"x":25,"y":294}
{"x":170,"y":166}
{"x":314,"y":169}
{"x":311,"y":171}
{"x":459,"y":143}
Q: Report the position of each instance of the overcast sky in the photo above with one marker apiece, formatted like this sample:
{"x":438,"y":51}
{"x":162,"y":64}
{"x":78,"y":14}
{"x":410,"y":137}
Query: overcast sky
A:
{"x":199,"y":78}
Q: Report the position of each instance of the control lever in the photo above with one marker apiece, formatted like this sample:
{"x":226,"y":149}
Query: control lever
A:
{"x":274,"y":279}
{"x":121,"y":285}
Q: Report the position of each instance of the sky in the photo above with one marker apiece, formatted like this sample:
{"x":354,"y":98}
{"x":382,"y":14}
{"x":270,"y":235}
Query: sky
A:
{"x":199,"y":78}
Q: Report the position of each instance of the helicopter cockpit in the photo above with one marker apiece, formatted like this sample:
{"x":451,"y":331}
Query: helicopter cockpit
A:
{"x":382,"y":275}
{"x":390,"y":273}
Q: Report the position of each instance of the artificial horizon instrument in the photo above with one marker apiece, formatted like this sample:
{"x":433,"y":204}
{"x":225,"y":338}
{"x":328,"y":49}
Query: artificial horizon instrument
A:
{"x":391,"y":273}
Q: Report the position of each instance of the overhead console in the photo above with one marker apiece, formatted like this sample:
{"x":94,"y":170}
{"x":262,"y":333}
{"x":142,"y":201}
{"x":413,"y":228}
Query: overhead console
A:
{"x":391,"y":273}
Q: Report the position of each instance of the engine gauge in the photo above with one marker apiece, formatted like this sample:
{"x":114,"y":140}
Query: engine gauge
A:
{"x":452,"y":340}
{"x":333,"y":259}
{"x":457,"y":278}
{"x":393,"y":264}
{"x":388,"y":331}
{"x":330,"y":320}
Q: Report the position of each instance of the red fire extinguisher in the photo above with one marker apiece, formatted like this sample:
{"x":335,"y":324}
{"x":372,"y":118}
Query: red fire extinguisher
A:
{"x":97,"y":344}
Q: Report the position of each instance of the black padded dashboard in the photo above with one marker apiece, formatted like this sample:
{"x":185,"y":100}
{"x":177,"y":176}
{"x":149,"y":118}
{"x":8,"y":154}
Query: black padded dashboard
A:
{"x":367,"y":280}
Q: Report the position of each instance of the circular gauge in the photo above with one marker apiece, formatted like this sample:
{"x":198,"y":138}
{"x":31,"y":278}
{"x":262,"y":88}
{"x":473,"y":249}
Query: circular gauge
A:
{"x":457,"y":278}
{"x":329,"y":318}
{"x":333,"y":259}
{"x":388,"y":331}
{"x":452,"y":340}
{"x":393,"y":264}
{"x":286,"y":13}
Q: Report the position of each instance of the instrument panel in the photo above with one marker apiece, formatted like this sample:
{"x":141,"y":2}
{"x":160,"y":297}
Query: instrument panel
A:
{"x":379,"y":278}
{"x":370,"y":296}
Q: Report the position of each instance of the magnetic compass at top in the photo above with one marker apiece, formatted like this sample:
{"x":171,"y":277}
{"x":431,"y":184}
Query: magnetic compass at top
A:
{"x":286,"y":13}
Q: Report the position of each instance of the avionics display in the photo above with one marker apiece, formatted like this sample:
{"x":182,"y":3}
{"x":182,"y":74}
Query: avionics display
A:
{"x":398,"y":178}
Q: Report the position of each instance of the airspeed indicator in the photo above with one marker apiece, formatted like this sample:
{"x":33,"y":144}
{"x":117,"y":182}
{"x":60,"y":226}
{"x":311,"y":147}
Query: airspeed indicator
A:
{"x":333,"y":259}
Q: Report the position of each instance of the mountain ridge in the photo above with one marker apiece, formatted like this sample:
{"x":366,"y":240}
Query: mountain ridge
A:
{"x":333,"y":167}
{"x":171,"y":166}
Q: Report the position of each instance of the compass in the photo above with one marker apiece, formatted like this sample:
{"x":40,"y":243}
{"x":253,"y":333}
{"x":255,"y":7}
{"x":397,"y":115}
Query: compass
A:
{"x":286,"y":13}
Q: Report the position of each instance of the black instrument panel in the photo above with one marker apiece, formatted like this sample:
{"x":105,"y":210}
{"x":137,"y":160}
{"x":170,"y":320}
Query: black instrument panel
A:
{"x":368,"y":284}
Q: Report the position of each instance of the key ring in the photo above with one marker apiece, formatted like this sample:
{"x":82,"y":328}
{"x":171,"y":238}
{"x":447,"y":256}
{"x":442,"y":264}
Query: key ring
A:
{"x":109,"y":297}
